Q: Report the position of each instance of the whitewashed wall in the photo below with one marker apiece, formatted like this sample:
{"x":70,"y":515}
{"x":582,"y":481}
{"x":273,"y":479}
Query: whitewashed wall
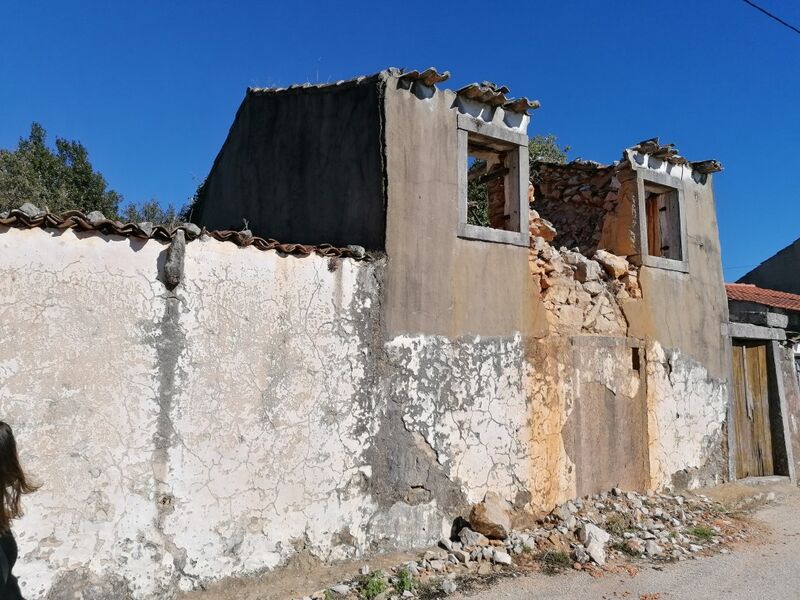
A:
{"x":214,"y":430}
{"x":258,"y":409}
{"x":183,"y":436}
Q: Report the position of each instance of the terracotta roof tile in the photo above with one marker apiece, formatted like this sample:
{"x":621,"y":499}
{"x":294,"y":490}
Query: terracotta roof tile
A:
{"x":746,"y":292}
{"x":28,"y":218}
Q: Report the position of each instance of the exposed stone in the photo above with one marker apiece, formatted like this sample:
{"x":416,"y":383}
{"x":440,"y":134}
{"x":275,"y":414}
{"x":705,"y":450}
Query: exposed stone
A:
{"x":492,"y":517}
{"x":469,"y":537}
{"x":652,"y":549}
{"x":596,"y":550}
{"x":501,"y":558}
{"x":358,"y":251}
{"x":95,"y":217}
{"x":146,"y":227}
{"x":448,"y":586}
{"x":437,"y":565}
{"x":616,"y":266}
{"x":30,"y":210}
{"x":542,"y":228}
{"x":589,"y":531}
{"x":173,"y":266}
{"x":634,"y":546}
{"x":588,"y":270}
{"x":192,"y":229}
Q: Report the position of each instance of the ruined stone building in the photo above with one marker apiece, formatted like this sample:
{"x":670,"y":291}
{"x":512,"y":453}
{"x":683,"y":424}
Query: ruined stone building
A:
{"x":228,"y":401}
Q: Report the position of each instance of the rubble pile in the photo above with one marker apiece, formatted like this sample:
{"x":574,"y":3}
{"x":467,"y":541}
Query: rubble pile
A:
{"x":585,"y":534}
{"x":581,"y":294}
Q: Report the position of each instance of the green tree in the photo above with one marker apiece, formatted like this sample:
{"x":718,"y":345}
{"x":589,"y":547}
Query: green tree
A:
{"x":151,"y":212}
{"x":60,"y":178}
{"x":545,"y":148}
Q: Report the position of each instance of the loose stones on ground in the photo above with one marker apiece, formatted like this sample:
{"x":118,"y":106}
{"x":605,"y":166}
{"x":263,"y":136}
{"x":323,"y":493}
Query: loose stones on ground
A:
{"x":592,"y":530}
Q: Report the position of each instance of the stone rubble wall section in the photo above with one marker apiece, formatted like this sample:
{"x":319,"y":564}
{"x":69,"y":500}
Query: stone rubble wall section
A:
{"x":576,"y":198}
{"x":581,"y":294}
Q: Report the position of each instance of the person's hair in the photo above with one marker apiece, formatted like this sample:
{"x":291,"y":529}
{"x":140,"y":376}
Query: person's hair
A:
{"x":12,"y":479}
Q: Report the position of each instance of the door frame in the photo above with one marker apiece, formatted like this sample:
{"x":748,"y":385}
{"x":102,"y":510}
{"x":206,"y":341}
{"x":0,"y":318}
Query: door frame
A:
{"x":771,"y":337}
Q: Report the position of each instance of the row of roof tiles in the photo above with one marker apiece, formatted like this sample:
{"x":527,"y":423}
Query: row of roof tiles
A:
{"x":651,"y":147}
{"x":30,"y":217}
{"x":486,"y":92}
{"x":746,"y":292}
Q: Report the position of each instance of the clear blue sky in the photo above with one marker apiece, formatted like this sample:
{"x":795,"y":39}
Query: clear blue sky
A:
{"x":152,"y":87}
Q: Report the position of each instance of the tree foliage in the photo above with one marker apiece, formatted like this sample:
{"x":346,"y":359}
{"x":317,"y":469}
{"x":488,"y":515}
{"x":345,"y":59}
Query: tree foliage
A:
{"x":152,"y":212}
{"x":62,"y":178}
{"x":545,"y":148}
{"x":59,"y":179}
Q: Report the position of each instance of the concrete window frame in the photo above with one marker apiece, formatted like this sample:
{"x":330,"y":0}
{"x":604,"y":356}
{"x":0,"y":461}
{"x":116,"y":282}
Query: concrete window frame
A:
{"x":669,"y":181}
{"x":518,"y":234}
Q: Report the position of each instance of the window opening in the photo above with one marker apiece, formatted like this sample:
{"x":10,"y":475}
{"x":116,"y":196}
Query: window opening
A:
{"x":663,"y":222}
{"x":491,"y":193}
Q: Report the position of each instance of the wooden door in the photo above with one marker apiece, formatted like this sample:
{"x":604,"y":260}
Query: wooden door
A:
{"x":753,"y":437}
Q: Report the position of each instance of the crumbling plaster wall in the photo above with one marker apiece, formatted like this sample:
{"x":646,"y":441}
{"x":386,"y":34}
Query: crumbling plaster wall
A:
{"x":675,"y":317}
{"x":77,"y":383}
{"x":192,"y":434}
{"x":254,"y":411}
{"x":431,"y":296}
{"x":459,"y":313}
{"x":685,"y":313}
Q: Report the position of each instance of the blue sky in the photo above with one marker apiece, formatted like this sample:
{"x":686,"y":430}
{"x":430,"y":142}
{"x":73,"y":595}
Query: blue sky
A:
{"x":152,"y":87}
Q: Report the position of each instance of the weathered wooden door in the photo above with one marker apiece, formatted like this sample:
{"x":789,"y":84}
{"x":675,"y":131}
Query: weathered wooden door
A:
{"x":753,"y":436}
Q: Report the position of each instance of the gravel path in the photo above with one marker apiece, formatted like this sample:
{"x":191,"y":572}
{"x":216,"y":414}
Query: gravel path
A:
{"x":767,"y":571}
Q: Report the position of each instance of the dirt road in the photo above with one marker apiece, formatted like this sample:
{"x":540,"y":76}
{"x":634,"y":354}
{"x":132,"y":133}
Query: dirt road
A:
{"x":766,"y":571}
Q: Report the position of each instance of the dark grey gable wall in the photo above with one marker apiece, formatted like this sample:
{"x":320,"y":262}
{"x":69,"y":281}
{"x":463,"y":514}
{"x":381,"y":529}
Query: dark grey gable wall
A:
{"x":779,"y":272}
{"x":303,"y":166}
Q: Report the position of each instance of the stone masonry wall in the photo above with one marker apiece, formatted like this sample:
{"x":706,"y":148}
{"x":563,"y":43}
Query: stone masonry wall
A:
{"x":591,"y":372}
{"x":576,"y":198}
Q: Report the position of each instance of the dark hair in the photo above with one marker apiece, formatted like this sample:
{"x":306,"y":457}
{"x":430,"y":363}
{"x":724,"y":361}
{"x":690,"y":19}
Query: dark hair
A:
{"x":12,"y":479}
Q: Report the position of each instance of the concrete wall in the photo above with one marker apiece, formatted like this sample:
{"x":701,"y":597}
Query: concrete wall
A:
{"x":302,"y":165}
{"x":779,"y":272}
{"x":434,"y":276}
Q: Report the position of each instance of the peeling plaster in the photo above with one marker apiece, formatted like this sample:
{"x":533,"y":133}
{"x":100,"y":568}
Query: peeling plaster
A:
{"x":466,"y":398}
{"x":686,"y":416}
